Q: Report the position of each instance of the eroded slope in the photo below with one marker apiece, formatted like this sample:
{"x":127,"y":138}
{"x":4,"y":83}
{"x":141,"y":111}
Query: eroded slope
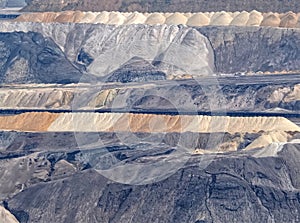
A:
{"x":231,"y":188}
{"x":174,"y":50}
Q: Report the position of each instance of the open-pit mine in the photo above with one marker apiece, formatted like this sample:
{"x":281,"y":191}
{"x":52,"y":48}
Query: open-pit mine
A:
{"x":150,"y":111}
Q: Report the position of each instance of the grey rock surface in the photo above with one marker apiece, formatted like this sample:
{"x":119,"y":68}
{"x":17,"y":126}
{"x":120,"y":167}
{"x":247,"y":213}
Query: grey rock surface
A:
{"x":54,"y":177}
{"x":61,"y":53}
{"x":240,"y":93}
{"x":253,"y":49}
{"x":235,"y":187}
{"x":32,"y":58}
{"x":15,"y":3}
{"x":136,"y":70}
{"x":273,"y":93}
{"x":218,"y":49}
{"x":103,"y":49}
{"x":28,"y":159}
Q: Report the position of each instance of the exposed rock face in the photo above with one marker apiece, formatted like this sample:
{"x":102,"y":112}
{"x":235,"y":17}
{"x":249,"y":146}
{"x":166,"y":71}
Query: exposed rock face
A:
{"x":136,"y":70}
{"x":154,"y":165}
{"x":186,"y":95}
{"x":239,"y":169}
{"x":41,"y":157}
{"x":26,"y":62}
{"x":163,"y":5}
{"x":239,"y":188}
{"x":254,"y":49}
{"x":118,"y":45}
{"x":31,"y":58}
{"x":208,"y":49}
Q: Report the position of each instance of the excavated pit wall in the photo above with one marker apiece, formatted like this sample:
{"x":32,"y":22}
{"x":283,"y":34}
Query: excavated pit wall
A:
{"x":219,"y":49}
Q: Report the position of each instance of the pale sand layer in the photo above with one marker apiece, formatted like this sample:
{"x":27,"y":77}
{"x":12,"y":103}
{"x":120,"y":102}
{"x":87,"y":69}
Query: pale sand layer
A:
{"x":253,"y":18}
{"x":268,"y":138}
{"x":6,"y":216}
{"x":36,"y":122}
{"x":93,"y":122}
{"x":272,"y":20}
{"x":285,"y":94}
{"x":167,"y":123}
{"x":240,"y":19}
{"x":294,"y":95}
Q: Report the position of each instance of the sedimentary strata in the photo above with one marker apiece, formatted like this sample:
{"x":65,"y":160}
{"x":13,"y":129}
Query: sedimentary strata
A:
{"x":182,"y":96}
{"x":160,"y":147}
{"x":106,"y":122}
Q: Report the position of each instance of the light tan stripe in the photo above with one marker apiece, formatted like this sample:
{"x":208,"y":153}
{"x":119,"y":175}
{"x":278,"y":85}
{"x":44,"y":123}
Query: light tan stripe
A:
{"x":33,"y":121}
{"x":253,"y":18}
{"x":116,"y":122}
